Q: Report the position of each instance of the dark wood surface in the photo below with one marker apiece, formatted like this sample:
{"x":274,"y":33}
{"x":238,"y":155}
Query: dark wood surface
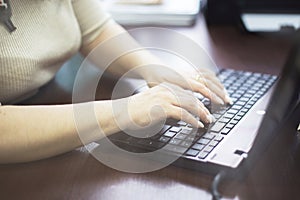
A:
{"x":77,"y":175}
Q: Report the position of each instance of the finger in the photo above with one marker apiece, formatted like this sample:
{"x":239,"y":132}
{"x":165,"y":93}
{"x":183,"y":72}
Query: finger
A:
{"x":187,"y":101}
{"x":219,"y":92}
{"x":205,"y":91}
{"x":203,"y":113}
{"x":215,"y":85}
{"x":214,"y":80}
{"x":181,"y":114}
{"x":193,"y":101}
{"x":195,"y":107}
{"x":211,"y":81}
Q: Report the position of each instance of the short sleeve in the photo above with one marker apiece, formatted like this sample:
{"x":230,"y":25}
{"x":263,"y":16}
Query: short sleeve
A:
{"x":91,"y":17}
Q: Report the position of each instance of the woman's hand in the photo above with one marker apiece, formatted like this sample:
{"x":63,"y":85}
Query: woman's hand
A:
{"x":160,"y":102}
{"x":202,"y":81}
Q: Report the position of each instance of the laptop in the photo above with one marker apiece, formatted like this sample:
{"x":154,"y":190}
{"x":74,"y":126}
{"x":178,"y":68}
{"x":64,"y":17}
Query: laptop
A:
{"x":242,"y":131}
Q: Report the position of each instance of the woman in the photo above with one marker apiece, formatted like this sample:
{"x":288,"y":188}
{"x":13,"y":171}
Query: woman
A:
{"x":48,"y":33}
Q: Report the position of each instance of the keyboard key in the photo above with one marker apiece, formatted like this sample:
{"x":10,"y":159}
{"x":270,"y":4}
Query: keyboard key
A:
{"x":251,"y":91}
{"x":208,"y":149}
{"x":225,"y":120}
{"x":243,"y":88}
{"x":206,"y":102}
{"x":248,"y":106}
{"x":213,"y":143}
{"x":221,"y":112}
{"x":245,"y":109}
{"x":260,"y":93}
{"x":251,"y":102}
{"x":192,"y":152}
{"x":230,"y":91}
{"x":217,"y":116}
{"x":189,"y":126}
{"x":180,"y":136}
{"x":257,"y":84}
{"x":165,"y":128}
{"x":240,"y":103}
{"x":203,"y":154}
{"x":186,"y":144}
{"x":229,"y":126}
{"x":241,"y":114}
{"x":229,"y":115}
{"x":236,"y":95}
{"x":234,"y":122}
{"x":198,"y":146}
{"x":200,"y":132}
{"x":203,"y":141}
{"x":238,"y":118}
{"x":233,"y":88}
{"x":186,"y":130}
{"x":182,"y":123}
{"x":244,"y":99}
{"x":217,"y":127}
{"x":175,"y":129}
{"x":236,"y":107}
{"x":208,"y":136}
{"x":240,"y":92}
{"x":255,"y":88}
{"x":175,"y":149}
{"x":234,"y":99}
{"x":218,"y":138}
{"x":232,"y":111}
{"x":175,"y":141}
{"x":225,"y":131}
{"x":164,"y":139}
{"x":170,"y":134}
{"x":190,"y":138}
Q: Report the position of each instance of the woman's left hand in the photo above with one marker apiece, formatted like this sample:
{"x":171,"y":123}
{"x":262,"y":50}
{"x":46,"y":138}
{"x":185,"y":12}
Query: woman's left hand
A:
{"x":201,"y":81}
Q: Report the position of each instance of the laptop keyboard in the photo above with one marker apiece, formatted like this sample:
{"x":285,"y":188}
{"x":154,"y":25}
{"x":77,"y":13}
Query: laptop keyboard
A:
{"x":244,"y":88}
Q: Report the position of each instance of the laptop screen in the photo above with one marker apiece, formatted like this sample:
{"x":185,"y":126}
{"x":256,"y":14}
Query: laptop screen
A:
{"x":283,"y":102}
{"x":286,"y":95}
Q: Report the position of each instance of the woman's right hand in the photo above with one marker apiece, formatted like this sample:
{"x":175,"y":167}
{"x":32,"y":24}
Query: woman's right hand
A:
{"x":161,"y":102}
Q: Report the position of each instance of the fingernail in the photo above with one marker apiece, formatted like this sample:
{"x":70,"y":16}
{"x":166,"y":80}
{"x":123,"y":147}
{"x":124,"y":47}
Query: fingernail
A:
{"x":219,"y":100}
{"x":200,"y":124}
{"x":228,"y":100}
{"x":207,"y":111}
{"x":225,"y":91}
{"x":213,"y":119}
{"x":210,"y":118}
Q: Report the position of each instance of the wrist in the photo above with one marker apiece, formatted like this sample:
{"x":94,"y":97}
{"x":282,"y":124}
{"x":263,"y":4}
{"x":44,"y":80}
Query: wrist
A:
{"x":107,"y":116}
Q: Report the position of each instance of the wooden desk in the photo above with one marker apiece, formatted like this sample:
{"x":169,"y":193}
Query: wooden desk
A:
{"x":77,"y":175}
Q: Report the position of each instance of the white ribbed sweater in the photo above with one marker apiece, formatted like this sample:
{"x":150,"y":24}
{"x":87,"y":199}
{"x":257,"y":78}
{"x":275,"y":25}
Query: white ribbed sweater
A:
{"x":48,"y":33}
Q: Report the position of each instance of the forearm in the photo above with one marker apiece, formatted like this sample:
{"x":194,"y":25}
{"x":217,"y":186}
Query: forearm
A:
{"x":35,"y":132}
{"x":115,"y":49}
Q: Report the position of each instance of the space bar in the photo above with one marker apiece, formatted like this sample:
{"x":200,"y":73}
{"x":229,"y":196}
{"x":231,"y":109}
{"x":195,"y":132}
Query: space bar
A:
{"x":217,"y":127}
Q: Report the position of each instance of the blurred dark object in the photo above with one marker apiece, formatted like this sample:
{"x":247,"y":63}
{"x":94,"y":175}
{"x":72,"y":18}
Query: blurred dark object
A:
{"x":223,"y":12}
{"x":281,"y":14}
{"x":269,"y":6}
